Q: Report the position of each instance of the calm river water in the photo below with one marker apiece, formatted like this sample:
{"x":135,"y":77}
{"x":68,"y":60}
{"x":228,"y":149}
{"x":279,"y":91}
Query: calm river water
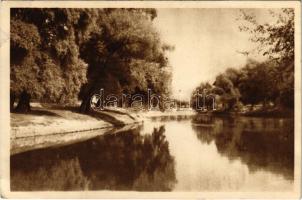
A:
{"x":169,"y":154}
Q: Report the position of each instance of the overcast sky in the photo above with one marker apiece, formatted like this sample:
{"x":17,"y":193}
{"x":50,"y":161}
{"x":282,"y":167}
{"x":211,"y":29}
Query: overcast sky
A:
{"x":205,"y":40}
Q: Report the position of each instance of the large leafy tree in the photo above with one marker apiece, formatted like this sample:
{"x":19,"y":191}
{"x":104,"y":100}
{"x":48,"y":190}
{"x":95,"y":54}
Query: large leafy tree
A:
{"x":202,"y":97}
{"x":125,"y":55}
{"x":228,"y":93}
{"x":258,"y":83}
{"x":25,"y":40}
{"x":277,"y":41}
{"x":45,"y":63}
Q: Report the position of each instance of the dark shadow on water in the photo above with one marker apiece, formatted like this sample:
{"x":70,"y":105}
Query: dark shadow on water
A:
{"x":261,"y":143}
{"x":121,"y":161}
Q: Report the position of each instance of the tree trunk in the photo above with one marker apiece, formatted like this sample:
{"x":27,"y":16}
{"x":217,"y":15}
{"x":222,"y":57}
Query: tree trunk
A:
{"x":24,"y":103}
{"x":264,"y":104}
{"x":85,"y":105}
{"x":12,"y":101}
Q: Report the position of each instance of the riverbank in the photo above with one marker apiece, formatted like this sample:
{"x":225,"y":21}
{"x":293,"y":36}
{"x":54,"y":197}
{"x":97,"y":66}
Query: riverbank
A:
{"x":268,"y":113}
{"x":48,"y":125}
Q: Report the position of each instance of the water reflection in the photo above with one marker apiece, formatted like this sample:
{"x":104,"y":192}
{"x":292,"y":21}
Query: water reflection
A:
{"x":179,"y":153}
{"x":123,"y":161}
{"x":261,"y":143}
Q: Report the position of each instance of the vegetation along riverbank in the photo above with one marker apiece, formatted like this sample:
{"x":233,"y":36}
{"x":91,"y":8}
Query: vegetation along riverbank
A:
{"x":61,"y":58}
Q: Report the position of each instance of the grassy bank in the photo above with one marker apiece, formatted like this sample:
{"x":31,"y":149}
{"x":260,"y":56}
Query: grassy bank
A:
{"x":50,"y":125}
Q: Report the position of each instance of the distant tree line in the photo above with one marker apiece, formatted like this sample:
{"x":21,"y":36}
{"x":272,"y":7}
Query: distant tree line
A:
{"x":65,"y":55}
{"x":271,"y":81}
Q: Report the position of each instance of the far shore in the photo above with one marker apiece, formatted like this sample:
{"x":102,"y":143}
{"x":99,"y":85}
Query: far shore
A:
{"x":269,"y":113}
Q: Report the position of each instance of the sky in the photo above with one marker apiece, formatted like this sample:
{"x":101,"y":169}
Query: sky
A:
{"x":206,"y":42}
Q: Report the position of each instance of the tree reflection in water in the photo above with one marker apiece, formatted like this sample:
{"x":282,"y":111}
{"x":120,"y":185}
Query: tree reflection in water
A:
{"x":122,"y":161}
{"x":261,"y":143}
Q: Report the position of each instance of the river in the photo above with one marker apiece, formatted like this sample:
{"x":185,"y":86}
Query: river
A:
{"x":168,"y":154}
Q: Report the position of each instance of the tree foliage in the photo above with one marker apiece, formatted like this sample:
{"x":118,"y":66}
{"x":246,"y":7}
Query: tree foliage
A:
{"x":59,"y":55}
{"x":128,"y":52}
{"x":277,"y":40}
{"x":202,"y":96}
{"x":45,"y":62}
{"x":255,"y":83}
{"x":269,"y":81}
{"x":224,"y":87}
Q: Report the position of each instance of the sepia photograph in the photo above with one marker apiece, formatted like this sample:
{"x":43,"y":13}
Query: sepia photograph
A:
{"x":192,"y":99}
